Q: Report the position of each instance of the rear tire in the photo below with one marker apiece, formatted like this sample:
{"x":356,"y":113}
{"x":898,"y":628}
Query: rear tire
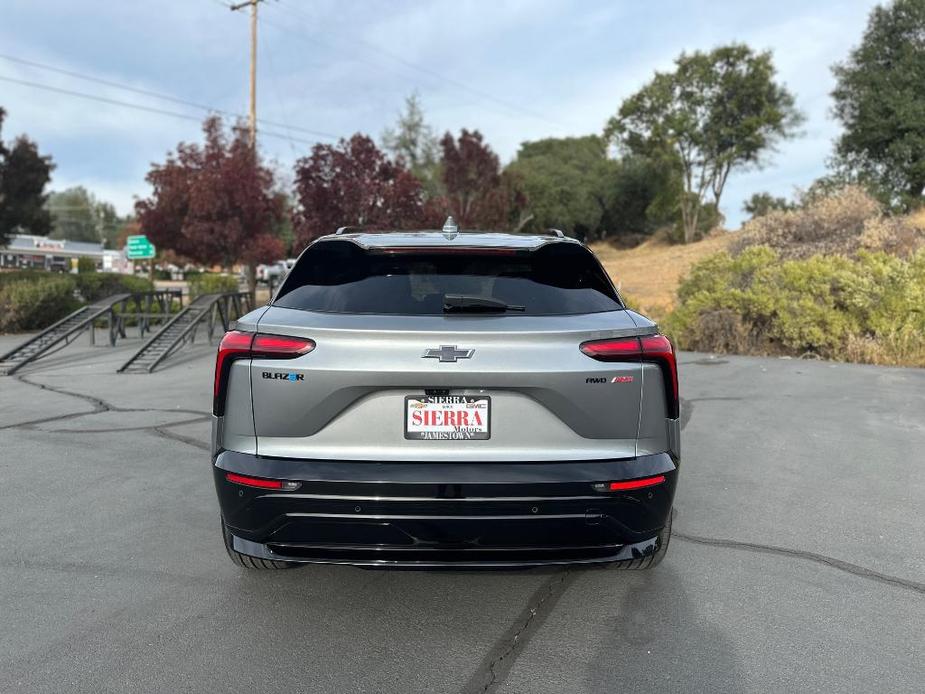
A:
{"x":245,"y":561}
{"x":650,"y":561}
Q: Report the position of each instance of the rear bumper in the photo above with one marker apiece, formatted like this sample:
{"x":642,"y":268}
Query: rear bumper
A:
{"x":445,"y":514}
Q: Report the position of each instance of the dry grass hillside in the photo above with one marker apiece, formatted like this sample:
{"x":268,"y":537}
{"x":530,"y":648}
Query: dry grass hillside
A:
{"x":648,"y":275}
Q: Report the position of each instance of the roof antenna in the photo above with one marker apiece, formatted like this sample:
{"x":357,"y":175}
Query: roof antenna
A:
{"x":450,"y":228}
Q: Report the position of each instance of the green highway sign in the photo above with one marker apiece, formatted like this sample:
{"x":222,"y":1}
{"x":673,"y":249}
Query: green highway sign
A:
{"x":138,"y":248}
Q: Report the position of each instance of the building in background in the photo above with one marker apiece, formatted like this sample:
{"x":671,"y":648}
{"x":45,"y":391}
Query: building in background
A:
{"x":42,"y":253}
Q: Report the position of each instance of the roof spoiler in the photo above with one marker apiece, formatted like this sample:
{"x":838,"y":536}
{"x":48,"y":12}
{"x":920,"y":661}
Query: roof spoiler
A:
{"x":558,"y":233}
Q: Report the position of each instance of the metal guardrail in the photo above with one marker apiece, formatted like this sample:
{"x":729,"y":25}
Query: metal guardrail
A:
{"x":210,"y":309}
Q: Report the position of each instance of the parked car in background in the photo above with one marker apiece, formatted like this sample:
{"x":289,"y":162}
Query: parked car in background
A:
{"x":274,"y":272}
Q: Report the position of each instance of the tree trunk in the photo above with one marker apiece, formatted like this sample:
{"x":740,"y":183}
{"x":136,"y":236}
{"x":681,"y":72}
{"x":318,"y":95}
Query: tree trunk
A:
{"x":917,"y":190}
{"x":524,"y":220}
{"x":689,"y":219}
{"x":690,"y":227}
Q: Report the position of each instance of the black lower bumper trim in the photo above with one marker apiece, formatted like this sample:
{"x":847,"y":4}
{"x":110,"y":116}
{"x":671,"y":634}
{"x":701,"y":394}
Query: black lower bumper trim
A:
{"x":519,"y":557}
{"x":445,"y":514}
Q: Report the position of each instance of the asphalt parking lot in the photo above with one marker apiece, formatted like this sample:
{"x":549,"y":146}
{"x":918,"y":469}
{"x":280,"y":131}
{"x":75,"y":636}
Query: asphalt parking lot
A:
{"x":798,"y":562}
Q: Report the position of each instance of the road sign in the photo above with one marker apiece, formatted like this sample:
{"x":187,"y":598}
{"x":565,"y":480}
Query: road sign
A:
{"x":138,"y":248}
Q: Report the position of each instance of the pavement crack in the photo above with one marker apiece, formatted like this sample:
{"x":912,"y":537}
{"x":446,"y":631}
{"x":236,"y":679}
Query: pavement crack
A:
{"x":162,"y":431}
{"x":847,"y":567}
{"x":99,"y":404}
{"x":498,"y":662}
{"x":115,"y":430}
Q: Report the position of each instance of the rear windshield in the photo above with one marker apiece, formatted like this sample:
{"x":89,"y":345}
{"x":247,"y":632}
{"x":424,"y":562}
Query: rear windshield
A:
{"x":341,"y":277}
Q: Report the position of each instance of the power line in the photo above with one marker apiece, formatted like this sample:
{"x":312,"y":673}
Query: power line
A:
{"x":138,"y":107}
{"x":433,"y":73}
{"x":265,"y":52}
{"x":159,"y":95}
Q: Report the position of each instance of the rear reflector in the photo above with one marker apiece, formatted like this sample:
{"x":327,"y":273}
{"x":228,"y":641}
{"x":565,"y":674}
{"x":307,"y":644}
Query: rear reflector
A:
{"x":240,"y":345}
{"x":262,"y":483}
{"x":641,"y":483}
{"x":655,"y":349}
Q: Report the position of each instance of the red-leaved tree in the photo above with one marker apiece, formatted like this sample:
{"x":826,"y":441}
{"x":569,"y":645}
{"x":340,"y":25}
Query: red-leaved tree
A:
{"x":478,"y":194}
{"x":353,"y":183}
{"x":215,"y":203}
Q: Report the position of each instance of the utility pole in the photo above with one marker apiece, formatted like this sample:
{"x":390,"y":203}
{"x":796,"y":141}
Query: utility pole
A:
{"x":252,"y":113}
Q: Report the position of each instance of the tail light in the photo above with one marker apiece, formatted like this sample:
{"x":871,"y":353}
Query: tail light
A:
{"x":239,"y":345}
{"x":655,"y":349}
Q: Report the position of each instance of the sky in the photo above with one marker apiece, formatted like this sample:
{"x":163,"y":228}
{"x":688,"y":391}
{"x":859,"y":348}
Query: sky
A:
{"x":517,"y":70}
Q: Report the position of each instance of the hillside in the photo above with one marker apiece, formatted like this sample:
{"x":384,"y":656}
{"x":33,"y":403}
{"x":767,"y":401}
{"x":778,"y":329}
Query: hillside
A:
{"x":648,"y":275}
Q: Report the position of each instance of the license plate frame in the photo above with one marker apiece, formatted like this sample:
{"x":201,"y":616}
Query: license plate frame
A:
{"x":478,"y":405}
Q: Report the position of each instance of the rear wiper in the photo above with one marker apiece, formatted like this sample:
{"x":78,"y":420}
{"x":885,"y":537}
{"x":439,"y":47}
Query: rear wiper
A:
{"x":462,"y":303}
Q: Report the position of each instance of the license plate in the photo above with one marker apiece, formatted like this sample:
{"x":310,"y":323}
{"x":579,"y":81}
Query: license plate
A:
{"x":448,"y":417}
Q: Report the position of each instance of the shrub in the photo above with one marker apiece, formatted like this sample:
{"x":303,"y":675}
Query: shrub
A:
{"x":870,"y":308}
{"x":33,"y":303}
{"x":98,"y":285}
{"x":827,"y":225}
{"x":212,"y":283}
{"x":900,"y":236}
{"x":85,"y":265}
{"x":23,"y":276}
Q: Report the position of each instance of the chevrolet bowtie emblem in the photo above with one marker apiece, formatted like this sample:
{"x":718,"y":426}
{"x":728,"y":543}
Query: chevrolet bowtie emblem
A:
{"x":448,"y":353}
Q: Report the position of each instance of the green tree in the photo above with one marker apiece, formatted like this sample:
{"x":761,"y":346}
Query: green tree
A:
{"x":110,"y":223}
{"x":78,"y":215}
{"x":24,"y":173}
{"x":413,"y":141}
{"x":565,"y":181}
{"x":73,"y":215}
{"x":642,"y":194}
{"x":880,"y":100}
{"x":572,"y":184}
{"x":715,"y":112}
{"x":759,"y":204}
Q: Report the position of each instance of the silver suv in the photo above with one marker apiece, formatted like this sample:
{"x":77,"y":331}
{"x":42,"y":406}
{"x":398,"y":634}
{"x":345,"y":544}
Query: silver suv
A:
{"x":445,"y":399}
